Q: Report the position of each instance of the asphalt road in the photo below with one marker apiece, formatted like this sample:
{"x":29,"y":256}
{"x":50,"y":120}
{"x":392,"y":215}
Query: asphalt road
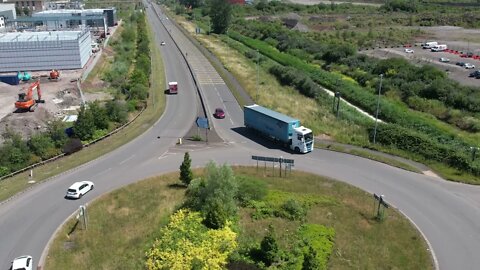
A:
{"x":447,"y":213}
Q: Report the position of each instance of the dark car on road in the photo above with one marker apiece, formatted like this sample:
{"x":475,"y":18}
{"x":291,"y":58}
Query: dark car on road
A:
{"x":219,"y":113}
{"x":460,"y":64}
{"x":474,"y":74}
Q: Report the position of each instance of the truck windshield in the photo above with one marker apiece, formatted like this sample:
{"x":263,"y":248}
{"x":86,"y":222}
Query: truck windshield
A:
{"x":308,"y":137}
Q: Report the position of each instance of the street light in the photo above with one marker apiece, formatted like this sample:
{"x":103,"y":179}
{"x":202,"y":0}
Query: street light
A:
{"x":258,"y":72}
{"x":337,"y":95}
{"x":378,"y":108}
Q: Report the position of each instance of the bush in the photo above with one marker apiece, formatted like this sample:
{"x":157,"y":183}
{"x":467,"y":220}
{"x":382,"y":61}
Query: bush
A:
{"x":185,"y":243}
{"x":293,"y":210}
{"x":319,"y":238}
{"x":250,"y":189}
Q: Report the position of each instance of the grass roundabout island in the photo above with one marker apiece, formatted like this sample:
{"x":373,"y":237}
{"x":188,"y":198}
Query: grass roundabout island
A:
{"x":238,"y":218}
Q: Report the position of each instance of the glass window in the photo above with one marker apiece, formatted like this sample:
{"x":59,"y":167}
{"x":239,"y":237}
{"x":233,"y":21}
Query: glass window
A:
{"x":33,"y":3}
{"x":299,"y":137}
{"x":309,"y":137}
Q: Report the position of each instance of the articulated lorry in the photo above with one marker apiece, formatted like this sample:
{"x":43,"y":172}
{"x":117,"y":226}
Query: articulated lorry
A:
{"x":279,"y":127}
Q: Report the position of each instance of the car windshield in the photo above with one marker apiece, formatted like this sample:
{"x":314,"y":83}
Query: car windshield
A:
{"x":308,"y":137}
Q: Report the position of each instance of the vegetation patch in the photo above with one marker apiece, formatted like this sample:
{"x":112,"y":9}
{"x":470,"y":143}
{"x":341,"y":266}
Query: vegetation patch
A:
{"x":338,"y":230}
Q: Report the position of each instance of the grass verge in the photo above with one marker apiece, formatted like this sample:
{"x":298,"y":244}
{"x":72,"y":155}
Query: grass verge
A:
{"x":155,"y":108}
{"x":124,"y":223}
{"x":368,"y":154}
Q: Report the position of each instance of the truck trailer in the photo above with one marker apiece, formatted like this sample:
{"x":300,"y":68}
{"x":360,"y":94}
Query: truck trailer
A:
{"x":278,"y":127}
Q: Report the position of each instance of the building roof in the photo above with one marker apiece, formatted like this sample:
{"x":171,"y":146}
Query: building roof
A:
{"x":7,"y":6}
{"x":39,"y":36}
{"x":69,"y":11}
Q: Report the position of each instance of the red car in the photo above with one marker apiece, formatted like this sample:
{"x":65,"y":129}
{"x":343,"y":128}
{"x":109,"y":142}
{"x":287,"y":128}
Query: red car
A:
{"x":219,"y":113}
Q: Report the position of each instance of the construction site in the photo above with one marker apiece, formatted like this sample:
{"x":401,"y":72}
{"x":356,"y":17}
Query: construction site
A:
{"x":43,"y":60}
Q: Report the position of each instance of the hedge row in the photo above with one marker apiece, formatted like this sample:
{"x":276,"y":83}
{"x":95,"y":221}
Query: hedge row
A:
{"x":422,"y":144}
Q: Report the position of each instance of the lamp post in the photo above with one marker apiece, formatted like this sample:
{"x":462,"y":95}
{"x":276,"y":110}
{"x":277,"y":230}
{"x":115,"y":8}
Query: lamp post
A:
{"x":378,"y":108}
{"x":337,"y":96}
{"x":258,"y":73}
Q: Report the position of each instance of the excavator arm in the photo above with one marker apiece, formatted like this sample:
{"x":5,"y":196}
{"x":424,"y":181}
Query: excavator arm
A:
{"x":26,"y":100}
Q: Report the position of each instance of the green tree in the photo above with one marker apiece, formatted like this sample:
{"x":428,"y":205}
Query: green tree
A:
{"x":186,"y":174}
{"x":99,"y":115}
{"x":14,"y":153}
{"x":41,"y":145}
{"x":215,"y":196}
{"x":84,"y":127}
{"x":139,"y":92}
{"x":221,"y":15}
{"x":310,"y":261}
{"x":117,"y":111}
{"x":269,"y":247}
{"x":26,"y":11}
{"x":56,"y":131}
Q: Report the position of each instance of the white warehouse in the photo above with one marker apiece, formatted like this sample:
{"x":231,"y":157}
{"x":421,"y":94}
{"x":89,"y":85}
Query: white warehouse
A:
{"x":44,"y":50}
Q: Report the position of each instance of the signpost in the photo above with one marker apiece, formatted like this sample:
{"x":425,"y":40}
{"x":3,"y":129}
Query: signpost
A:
{"x":380,"y":209}
{"x":288,"y":163}
{"x":202,"y":122}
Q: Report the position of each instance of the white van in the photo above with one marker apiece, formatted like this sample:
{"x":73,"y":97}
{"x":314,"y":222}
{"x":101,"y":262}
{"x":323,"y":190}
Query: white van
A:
{"x":439,"y":48}
{"x":429,"y":45}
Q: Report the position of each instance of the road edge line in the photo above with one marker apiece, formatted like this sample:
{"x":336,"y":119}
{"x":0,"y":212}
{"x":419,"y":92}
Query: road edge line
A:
{"x":41,"y":262}
{"x":434,"y":257}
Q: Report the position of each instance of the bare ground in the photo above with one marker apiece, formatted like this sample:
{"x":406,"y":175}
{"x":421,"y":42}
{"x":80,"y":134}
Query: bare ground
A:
{"x":61,"y":99}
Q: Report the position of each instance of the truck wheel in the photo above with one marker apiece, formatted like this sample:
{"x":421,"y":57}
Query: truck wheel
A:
{"x":297,"y":150}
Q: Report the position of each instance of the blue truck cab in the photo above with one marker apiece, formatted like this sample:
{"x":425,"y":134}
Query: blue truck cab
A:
{"x":279,"y":127}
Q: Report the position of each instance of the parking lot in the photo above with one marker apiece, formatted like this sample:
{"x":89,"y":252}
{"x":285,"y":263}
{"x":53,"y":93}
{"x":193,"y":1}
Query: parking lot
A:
{"x":456,"y":38}
{"x":425,"y":56}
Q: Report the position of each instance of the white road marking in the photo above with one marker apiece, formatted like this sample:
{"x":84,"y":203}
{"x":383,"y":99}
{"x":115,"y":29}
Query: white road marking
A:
{"x":127,"y":159}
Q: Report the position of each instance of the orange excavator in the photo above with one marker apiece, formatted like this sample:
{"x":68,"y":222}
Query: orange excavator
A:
{"x":26,"y":102}
{"x":54,"y":75}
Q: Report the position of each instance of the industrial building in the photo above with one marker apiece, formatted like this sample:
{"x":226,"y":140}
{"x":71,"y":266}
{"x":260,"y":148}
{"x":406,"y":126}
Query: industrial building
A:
{"x":65,"y":18}
{"x":35,"y":51}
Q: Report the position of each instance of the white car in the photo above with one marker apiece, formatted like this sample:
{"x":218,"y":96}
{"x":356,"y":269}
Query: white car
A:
{"x":162,"y":43}
{"x":468,"y":66}
{"x":78,"y":189}
{"x":22,"y":263}
{"x":444,"y":60}
{"x":409,"y":50}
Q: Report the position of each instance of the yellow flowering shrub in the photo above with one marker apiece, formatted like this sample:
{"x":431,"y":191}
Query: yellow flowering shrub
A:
{"x":185,"y":243}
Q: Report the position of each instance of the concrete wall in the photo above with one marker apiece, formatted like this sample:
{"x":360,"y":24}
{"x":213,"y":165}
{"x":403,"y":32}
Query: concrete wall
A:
{"x":45,"y":55}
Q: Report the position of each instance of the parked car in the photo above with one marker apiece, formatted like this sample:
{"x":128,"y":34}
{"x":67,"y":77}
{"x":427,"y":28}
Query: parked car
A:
{"x":78,"y":189}
{"x":409,"y":50}
{"x":22,"y":263}
{"x":474,"y":74}
{"x":460,"y":64}
{"x":468,"y":66}
{"x":444,"y":60}
{"x":162,"y":43}
{"x":477,"y":77}
{"x":219,"y":113}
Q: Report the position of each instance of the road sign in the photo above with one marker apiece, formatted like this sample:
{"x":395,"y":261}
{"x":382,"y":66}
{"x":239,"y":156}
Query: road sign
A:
{"x":273,"y":159}
{"x":202,"y":122}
